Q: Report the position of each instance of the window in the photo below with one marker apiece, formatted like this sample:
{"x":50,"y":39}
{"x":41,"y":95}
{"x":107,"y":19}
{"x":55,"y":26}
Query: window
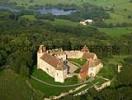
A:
{"x":47,"y":69}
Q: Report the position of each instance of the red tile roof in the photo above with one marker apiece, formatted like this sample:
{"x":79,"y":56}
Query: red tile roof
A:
{"x":94,"y":63}
{"x":53,"y":61}
{"x":84,"y":71}
{"x":85,"y":68}
{"x":88,"y":55}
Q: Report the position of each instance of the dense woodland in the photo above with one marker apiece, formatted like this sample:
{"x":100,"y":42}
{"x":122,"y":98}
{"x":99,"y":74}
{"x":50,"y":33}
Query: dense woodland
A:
{"x":21,"y":36}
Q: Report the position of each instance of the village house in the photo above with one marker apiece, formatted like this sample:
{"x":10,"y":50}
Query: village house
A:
{"x":86,"y":22}
{"x":55,"y":63}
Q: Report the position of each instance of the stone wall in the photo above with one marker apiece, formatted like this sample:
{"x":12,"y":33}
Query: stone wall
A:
{"x":94,"y":70}
{"x":61,"y":56}
{"x":46,"y":67}
{"x":60,"y":75}
{"x":74,"y":54}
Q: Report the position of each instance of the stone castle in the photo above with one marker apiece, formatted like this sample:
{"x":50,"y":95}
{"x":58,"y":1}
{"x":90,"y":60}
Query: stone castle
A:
{"x":56,"y":64}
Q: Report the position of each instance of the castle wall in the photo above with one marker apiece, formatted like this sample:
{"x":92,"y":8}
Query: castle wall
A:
{"x":46,"y":67}
{"x":60,"y":75}
{"x":62,"y":56}
{"x":92,"y":71}
{"x":74,"y":54}
{"x":38,"y":59}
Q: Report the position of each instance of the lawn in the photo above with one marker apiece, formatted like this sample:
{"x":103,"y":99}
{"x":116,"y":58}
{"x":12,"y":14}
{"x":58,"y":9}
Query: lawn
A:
{"x":45,"y":77}
{"x":79,"y":62}
{"x":52,"y":90}
{"x":108,"y":71}
{"x":116,"y":32}
{"x":14,"y":87}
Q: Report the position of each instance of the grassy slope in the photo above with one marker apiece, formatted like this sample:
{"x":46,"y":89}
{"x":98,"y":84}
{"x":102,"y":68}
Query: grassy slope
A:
{"x":116,"y":32}
{"x":64,"y":22}
{"x":14,"y":87}
{"x":118,"y":16}
{"x":44,"y":2}
{"x":109,"y":69}
{"x":52,"y":90}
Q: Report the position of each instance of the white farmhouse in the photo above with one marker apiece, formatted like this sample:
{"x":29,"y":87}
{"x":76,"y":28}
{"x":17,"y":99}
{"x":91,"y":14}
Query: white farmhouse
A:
{"x":85,"y":22}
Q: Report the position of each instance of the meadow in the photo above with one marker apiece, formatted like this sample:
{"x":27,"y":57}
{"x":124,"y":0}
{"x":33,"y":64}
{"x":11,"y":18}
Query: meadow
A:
{"x":116,"y":32}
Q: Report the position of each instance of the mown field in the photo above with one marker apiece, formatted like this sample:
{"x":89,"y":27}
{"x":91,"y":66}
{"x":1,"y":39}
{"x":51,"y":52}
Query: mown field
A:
{"x":14,"y":87}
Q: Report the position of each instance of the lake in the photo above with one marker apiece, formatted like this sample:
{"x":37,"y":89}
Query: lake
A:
{"x":55,"y":11}
{"x":43,"y":10}
{"x":9,"y":8}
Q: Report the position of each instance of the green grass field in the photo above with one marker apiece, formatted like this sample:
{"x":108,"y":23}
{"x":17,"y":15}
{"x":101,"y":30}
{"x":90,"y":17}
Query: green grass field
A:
{"x":29,"y":17}
{"x":44,"y":2}
{"x":64,"y":22}
{"x":116,"y":32}
{"x":81,"y":62}
{"x":52,"y":90}
{"x":122,"y":9}
{"x":14,"y":87}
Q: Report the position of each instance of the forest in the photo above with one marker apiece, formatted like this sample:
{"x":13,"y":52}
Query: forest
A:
{"x":22,"y":33}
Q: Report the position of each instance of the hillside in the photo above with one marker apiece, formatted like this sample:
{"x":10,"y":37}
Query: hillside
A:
{"x":122,"y":9}
{"x":15,"y":87}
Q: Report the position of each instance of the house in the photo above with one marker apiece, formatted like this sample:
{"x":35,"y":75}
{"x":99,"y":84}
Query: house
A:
{"x":85,"y":22}
{"x":55,"y":62}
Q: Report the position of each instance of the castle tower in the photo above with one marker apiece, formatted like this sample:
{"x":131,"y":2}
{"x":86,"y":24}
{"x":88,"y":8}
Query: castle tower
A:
{"x":40,"y":52}
{"x":41,"y":49}
{"x":61,"y":72}
{"x":85,"y":49}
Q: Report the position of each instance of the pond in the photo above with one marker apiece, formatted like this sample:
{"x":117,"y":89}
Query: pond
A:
{"x":55,"y":11}
{"x":12,"y":9}
{"x":42,"y":11}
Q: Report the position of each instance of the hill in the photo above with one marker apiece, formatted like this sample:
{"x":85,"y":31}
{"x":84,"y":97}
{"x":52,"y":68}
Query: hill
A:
{"x":14,"y":87}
